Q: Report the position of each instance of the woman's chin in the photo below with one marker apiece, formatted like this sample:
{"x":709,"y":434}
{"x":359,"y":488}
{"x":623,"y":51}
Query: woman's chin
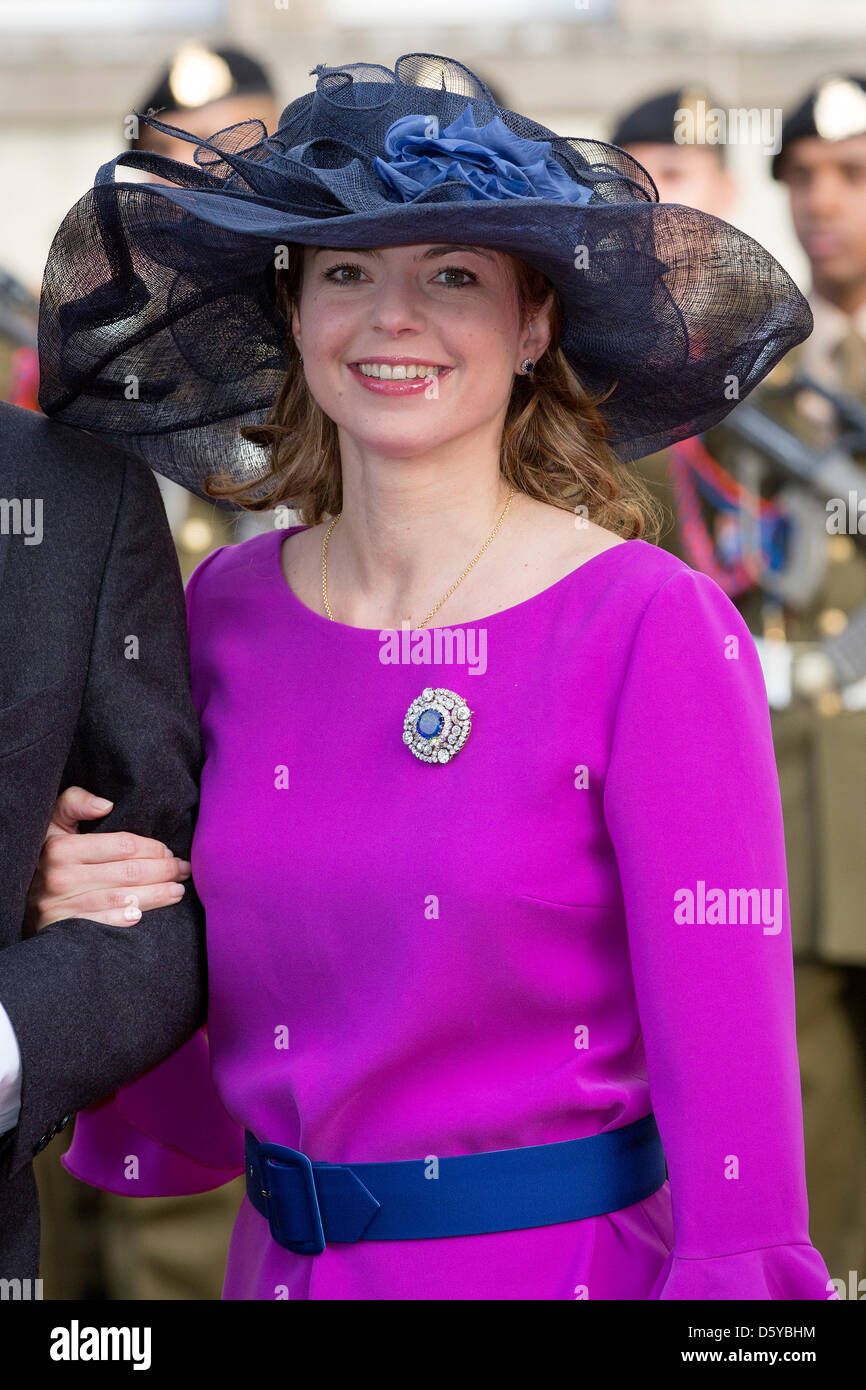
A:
{"x":398,"y":443}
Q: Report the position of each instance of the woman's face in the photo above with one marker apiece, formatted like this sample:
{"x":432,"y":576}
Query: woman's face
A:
{"x":451,"y":307}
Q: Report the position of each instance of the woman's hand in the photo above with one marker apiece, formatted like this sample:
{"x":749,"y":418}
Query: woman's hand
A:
{"x":107,"y":878}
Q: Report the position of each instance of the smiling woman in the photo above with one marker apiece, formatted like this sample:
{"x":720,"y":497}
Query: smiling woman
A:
{"x":443,"y":952}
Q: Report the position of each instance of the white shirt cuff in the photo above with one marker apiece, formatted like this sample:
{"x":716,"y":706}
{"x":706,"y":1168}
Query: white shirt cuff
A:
{"x":10,"y":1074}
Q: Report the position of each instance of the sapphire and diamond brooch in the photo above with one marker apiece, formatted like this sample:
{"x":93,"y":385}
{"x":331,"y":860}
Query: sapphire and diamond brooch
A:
{"x":437,"y":725}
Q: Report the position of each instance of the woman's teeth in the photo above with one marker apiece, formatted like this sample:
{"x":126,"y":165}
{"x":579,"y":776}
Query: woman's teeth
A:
{"x":385,"y":372}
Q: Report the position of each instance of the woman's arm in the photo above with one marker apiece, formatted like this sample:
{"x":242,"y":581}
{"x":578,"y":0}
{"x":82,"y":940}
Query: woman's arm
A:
{"x":167,"y":1134}
{"x":693,"y":808}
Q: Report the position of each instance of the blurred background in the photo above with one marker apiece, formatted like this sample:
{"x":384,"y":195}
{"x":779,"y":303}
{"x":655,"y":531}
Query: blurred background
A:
{"x":71,"y":70}
{"x":71,"y":74}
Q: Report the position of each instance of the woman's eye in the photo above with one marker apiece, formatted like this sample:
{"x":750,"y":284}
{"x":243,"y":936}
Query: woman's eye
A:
{"x":335,"y":276}
{"x":458,"y":270}
{"x":328,"y":274}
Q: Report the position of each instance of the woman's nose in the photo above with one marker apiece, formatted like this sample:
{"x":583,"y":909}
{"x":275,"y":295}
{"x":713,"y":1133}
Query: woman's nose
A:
{"x":397,"y":305}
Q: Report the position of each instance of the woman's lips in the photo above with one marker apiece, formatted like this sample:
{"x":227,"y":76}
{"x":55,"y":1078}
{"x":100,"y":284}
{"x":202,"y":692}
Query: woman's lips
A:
{"x":397,"y":388}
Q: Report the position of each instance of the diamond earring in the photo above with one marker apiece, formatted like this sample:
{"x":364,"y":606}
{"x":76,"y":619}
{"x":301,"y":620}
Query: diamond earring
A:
{"x":527,"y":366}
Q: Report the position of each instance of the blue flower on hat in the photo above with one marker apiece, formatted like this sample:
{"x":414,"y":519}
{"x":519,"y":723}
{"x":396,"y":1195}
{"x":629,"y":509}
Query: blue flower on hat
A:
{"x":491,"y":160}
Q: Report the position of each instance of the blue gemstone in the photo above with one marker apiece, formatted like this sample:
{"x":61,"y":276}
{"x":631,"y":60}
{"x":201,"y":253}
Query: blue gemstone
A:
{"x":429,"y":723}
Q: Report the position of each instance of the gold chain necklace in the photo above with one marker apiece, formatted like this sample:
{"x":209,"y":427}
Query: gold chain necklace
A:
{"x":442,"y":600}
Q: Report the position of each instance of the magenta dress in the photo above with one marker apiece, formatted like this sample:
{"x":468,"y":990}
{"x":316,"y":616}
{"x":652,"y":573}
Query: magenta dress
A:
{"x":580,"y":919}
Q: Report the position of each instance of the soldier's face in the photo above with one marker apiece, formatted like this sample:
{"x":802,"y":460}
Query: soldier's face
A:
{"x":690,"y":174}
{"x":827,"y":183}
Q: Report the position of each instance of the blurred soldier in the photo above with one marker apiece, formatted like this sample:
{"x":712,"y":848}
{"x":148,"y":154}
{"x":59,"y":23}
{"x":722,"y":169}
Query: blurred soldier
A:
{"x":161,"y":1247}
{"x":693,"y":172}
{"x":690,"y":172}
{"x":801,"y":587}
{"x":204,"y":90}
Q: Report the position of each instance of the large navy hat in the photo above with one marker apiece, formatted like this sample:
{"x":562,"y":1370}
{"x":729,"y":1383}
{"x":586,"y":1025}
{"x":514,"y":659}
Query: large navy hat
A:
{"x":159,"y":327}
{"x":834,"y":110}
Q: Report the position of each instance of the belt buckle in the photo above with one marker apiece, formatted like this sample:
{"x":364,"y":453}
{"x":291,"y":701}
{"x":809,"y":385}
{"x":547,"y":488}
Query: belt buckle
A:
{"x":274,"y":1156}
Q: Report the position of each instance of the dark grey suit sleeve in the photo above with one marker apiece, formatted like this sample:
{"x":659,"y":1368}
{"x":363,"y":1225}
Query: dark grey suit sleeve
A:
{"x":94,"y":1006}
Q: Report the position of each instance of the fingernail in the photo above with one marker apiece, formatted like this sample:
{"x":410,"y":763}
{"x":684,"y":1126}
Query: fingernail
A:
{"x":100,"y":803}
{"x":177,"y":890}
{"x":166,"y":852}
{"x":185,"y":865}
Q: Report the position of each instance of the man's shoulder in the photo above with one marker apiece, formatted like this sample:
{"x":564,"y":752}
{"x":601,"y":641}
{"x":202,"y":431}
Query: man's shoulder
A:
{"x":32,"y":443}
{"x":16,"y":422}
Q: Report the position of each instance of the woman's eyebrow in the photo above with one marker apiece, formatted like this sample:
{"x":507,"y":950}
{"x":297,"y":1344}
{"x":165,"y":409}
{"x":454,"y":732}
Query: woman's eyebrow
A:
{"x":478,"y":250}
{"x":423,"y":255}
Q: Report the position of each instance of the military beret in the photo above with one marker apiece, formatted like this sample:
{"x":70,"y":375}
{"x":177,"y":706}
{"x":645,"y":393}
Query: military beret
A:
{"x":834,"y":110}
{"x":198,"y":75}
{"x":657,"y":120}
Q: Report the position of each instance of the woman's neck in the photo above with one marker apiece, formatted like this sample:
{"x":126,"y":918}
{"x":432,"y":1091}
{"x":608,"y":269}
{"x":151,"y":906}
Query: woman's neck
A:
{"x":398,"y":550}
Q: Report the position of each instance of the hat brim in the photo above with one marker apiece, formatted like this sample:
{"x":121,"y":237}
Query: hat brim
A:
{"x":158,"y":328}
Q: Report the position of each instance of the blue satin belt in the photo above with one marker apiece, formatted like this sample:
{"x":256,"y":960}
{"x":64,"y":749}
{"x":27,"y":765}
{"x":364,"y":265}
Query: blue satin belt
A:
{"x":308,"y":1203}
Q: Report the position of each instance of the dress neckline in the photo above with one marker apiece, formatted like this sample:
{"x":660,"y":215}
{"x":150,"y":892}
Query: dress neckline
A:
{"x":276,"y":569}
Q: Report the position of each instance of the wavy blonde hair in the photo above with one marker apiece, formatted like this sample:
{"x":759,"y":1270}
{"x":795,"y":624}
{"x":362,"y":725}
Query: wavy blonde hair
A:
{"x":554,"y":440}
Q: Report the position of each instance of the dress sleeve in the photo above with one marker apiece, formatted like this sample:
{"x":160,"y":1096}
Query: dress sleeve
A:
{"x":693,"y":809}
{"x":167,"y":1133}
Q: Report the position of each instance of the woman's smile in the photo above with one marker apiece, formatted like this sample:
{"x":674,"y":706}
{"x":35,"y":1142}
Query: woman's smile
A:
{"x":398,"y":376}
